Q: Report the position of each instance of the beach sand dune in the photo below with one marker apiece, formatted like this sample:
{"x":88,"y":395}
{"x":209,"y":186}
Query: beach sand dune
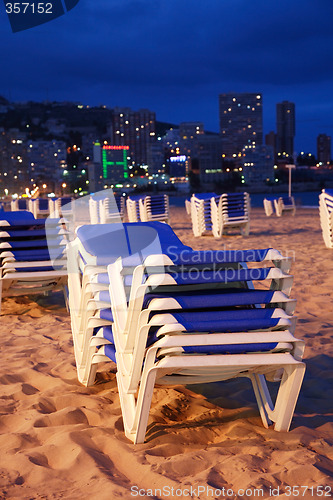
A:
{"x":60,"y":440}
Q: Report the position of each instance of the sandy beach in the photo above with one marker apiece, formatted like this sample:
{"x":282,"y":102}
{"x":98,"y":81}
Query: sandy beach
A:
{"x":60,"y":440}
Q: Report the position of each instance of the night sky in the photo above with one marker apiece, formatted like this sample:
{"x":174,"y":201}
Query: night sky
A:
{"x":175,"y":57}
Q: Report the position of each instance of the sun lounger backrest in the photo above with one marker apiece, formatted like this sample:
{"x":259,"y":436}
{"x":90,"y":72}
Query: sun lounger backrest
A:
{"x":22,"y":204}
{"x":22,"y":216}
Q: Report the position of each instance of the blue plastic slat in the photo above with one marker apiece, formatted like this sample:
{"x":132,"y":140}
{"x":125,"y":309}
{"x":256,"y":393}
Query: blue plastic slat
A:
{"x":212,"y":299}
{"x":230,"y":349}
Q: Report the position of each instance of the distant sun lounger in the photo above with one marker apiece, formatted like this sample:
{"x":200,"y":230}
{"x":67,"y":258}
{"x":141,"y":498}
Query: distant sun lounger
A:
{"x":279,"y":205}
{"x":146,"y":208}
{"x":218,"y":214}
{"x":326,"y":216}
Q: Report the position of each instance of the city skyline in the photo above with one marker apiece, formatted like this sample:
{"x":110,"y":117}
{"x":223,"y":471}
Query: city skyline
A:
{"x":176,"y":58}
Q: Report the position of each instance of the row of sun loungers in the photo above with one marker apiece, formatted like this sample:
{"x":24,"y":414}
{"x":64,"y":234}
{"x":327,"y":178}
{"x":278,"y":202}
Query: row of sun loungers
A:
{"x":166,"y":314}
{"x":43,"y":207}
{"x":217,"y":214}
{"x":139,"y":208}
{"x":102,"y":208}
{"x":159,"y":311}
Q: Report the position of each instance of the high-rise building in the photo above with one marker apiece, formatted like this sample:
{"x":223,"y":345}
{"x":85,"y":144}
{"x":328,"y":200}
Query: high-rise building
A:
{"x":258,"y":164}
{"x":270,"y":140}
{"x":156,"y":158}
{"x":189,"y":131}
{"x":241,"y":121}
{"x":209,"y":159}
{"x":285,"y":128}
{"x":14,"y":174}
{"x":189,"y":135}
{"x":324,"y":149}
{"x":135,"y":129}
{"x":46,"y":160}
{"x":109,"y":166}
{"x":178,"y":166}
{"x":114,"y":162}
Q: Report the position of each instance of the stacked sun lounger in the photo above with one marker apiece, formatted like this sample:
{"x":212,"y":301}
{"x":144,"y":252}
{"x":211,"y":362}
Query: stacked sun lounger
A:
{"x":326,"y":216}
{"x":60,"y":207}
{"x":154,"y":208}
{"x":94,"y":210}
{"x":19,"y":204}
{"x":32,"y":254}
{"x":230,"y":212}
{"x":200,"y":209}
{"x":169,"y":315}
{"x":111,"y":209}
{"x":39,"y":207}
{"x":269,"y":206}
{"x":285,"y":204}
{"x":106,"y":209}
{"x":133,"y":207}
{"x":279,"y":205}
{"x":146,"y":208}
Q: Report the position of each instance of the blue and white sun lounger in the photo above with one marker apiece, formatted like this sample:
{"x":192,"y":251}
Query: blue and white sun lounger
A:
{"x":176,"y":316}
{"x":89,"y":299}
{"x":285,"y":204}
{"x":230,"y":212}
{"x":60,"y":207}
{"x":32,"y":257}
{"x":146,"y":208}
{"x":19,"y":204}
{"x":200,"y":209}
{"x":111,"y":210}
{"x":105,"y":209}
{"x":326,"y":216}
{"x":39,"y":207}
{"x":279,"y":205}
{"x":154,"y":208}
{"x":133,"y":207}
{"x":269,"y":206}
{"x":215,"y":214}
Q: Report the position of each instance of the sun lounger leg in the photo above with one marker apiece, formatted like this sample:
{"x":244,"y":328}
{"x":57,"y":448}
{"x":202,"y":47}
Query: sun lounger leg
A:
{"x":286,"y":399}
{"x":287,"y":396}
{"x":65,"y":291}
{"x":91,"y":375}
{"x":136,"y":413}
{"x":263,"y":398}
{"x":87,"y":373}
{"x":143,"y":405}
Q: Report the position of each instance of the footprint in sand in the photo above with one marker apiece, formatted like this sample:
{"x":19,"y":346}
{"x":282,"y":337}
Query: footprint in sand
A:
{"x":29,"y":390}
{"x":67,"y":416}
{"x":39,"y":459}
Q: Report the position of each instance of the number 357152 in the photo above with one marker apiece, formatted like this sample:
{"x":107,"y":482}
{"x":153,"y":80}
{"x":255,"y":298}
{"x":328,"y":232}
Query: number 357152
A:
{"x":28,"y":8}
